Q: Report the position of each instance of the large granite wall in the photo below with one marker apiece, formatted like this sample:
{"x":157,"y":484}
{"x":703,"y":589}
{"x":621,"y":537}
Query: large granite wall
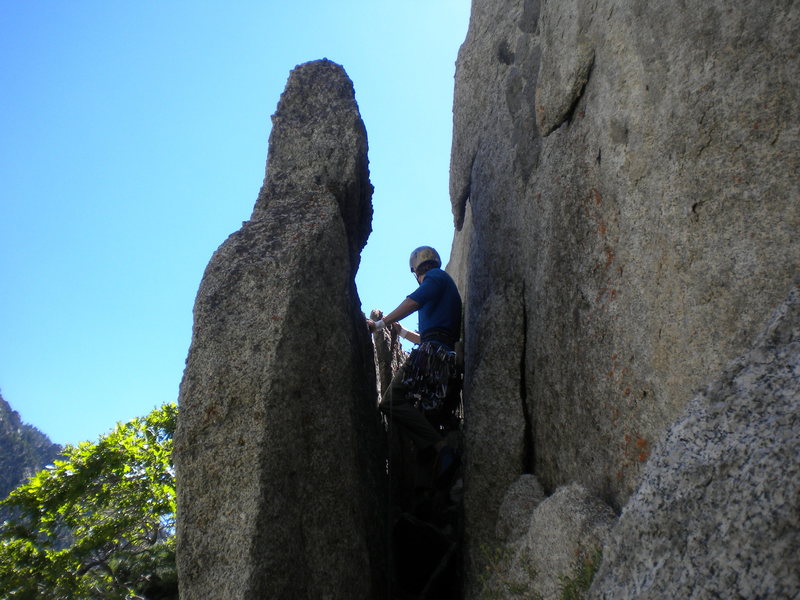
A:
{"x":624,"y":181}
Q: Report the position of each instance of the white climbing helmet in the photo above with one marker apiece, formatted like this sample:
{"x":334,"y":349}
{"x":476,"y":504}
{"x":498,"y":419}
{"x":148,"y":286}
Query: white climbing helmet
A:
{"x":423,"y":254}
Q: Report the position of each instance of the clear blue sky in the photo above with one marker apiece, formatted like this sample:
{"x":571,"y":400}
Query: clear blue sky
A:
{"x":134,"y":139}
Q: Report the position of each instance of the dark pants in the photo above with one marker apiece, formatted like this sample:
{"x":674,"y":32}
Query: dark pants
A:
{"x":401,"y":412}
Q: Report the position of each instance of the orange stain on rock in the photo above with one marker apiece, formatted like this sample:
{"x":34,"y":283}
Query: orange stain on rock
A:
{"x":609,"y":256}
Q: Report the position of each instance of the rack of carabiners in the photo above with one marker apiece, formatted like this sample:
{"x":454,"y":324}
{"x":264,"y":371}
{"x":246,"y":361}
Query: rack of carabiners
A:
{"x":430,"y":372}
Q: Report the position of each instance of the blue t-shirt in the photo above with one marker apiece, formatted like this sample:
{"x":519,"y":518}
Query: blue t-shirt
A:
{"x":439,"y":304}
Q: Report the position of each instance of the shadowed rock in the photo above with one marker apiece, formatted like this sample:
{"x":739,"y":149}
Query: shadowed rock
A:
{"x":278,"y":452}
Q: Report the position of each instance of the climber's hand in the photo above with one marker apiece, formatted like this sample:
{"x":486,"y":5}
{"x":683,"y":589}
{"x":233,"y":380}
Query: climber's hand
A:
{"x":375,"y":325}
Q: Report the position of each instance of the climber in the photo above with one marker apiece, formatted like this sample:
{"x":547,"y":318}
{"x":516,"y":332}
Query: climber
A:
{"x":426,"y":373}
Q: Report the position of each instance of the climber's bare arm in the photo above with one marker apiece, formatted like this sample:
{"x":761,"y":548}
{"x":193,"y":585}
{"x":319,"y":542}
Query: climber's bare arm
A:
{"x":411,"y":336}
{"x":406,"y":307}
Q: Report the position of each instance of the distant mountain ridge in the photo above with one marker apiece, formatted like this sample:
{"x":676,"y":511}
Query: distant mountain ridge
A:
{"x":24,"y":450}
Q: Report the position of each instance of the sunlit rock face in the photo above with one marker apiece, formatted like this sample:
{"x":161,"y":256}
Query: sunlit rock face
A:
{"x":624,"y":185}
{"x":717,"y":514}
{"x":278,"y":453}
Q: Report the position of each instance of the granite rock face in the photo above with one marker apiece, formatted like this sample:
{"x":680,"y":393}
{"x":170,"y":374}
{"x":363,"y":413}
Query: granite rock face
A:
{"x":624,"y":185}
{"x":718,"y":511}
{"x":279,"y":453}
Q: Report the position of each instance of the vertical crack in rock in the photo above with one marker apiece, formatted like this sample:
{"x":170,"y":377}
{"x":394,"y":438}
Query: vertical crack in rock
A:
{"x":527,"y":442}
{"x":278,"y":452}
{"x":461,"y":198}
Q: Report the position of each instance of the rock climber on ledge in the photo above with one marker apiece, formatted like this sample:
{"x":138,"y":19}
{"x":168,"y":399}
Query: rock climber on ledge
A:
{"x":430,"y":367}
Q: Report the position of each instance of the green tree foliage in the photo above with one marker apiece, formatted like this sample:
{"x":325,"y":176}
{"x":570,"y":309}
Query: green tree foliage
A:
{"x":98,"y":524}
